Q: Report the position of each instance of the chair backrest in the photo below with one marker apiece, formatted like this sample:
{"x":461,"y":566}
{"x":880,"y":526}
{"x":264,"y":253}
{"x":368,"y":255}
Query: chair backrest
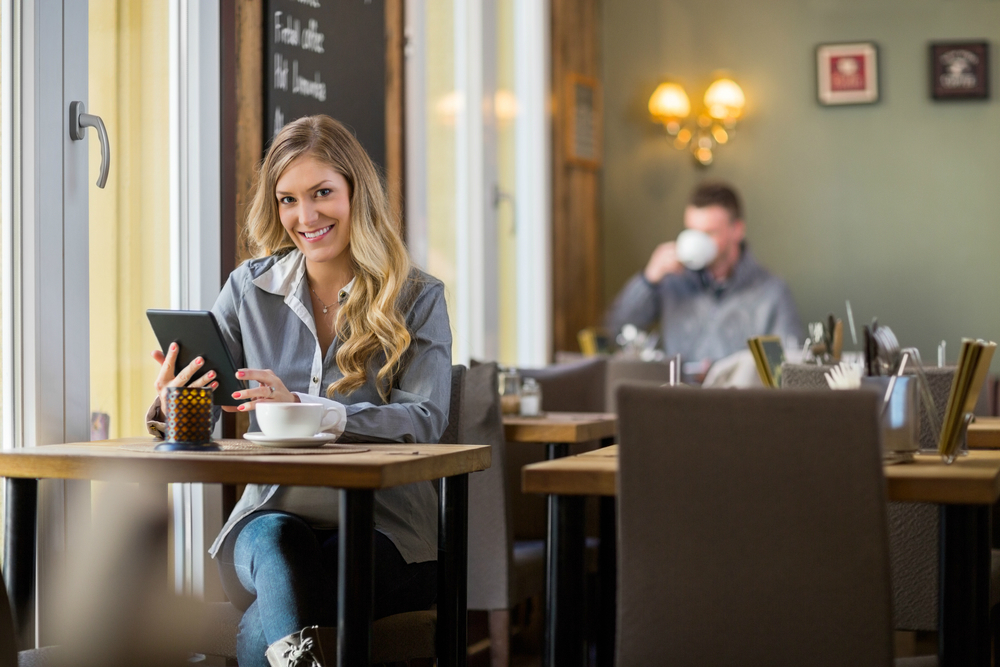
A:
{"x":572,"y":387}
{"x":451,"y":432}
{"x":632,"y":370}
{"x":752,"y":529}
{"x":490,"y":541}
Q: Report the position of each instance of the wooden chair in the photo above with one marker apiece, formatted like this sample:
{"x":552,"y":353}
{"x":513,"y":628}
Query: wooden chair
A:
{"x":752,"y":529}
{"x":502,"y":573}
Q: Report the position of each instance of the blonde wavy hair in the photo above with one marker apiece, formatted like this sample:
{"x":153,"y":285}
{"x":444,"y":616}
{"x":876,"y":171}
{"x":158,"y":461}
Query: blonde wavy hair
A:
{"x":370,"y":323}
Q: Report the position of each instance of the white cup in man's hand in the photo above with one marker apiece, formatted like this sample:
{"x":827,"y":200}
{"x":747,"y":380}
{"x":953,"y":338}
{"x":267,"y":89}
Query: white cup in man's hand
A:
{"x":289,"y":420}
{"x":695,"y":249}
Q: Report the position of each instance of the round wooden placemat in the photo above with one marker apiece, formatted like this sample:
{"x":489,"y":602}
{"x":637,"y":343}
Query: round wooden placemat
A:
{"x":246,"y":448}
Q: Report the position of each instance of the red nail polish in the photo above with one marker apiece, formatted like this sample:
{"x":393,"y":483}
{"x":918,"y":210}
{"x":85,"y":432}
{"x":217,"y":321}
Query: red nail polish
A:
{"x":240,"y":374}
{"x":242,"y":407}
{"x":236,"y":394}
{"x":173,"y":346}
{"x":199,"y":362}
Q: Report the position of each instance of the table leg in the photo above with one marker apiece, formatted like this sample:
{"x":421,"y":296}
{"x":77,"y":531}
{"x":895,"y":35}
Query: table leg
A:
{"x":565,"y":582}
{"x":564,"y":575}
{"x":453,"y":561}
{"x":964,"y":613}
{"x":556,"y":450}
{"x":355,"y":569}
{"x":607,"y":574}
{"x":20,"y":514}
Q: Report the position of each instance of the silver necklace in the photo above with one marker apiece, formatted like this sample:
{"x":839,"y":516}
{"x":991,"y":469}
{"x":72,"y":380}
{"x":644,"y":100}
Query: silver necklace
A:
{"x":325,"y":307}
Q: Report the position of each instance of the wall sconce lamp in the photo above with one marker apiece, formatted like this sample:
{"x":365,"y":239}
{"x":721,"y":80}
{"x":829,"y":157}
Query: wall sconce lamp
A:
{"x":714,"y":123}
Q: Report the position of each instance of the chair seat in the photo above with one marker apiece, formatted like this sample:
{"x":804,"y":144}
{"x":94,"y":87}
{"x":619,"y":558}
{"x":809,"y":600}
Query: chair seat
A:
{"x":402,"y":637}
{"x":396,"y":638}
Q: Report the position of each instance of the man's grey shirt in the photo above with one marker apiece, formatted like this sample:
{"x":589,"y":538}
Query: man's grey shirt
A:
{"x":701,"y":319}
{"x":265,"y":314}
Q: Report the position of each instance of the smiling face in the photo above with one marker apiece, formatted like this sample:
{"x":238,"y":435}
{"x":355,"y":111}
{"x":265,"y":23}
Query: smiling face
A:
{"x":727,"y":233}
{"x":314,"y":204}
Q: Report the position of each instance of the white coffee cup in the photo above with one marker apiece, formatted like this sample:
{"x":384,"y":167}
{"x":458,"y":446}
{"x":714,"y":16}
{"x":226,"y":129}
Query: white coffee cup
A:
{"x":289,"y":420}
{"x":695,"y":249}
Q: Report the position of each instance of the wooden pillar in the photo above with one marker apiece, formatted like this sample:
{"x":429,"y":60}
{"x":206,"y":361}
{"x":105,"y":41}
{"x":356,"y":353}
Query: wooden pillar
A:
{"x":394,"y":109}
{"x":577,"y":262}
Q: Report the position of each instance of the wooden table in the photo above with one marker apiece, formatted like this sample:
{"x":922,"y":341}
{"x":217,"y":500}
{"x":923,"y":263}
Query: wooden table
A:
{"x":357,"y":475}
{"x":558,"y":430}
{"x":564,"y":557}
{"x":984,"y":433}
{"x":966,"y":490}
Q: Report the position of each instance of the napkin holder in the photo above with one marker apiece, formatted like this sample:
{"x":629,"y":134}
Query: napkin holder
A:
{"x":929,"y":415}
{"x":960,"y":445}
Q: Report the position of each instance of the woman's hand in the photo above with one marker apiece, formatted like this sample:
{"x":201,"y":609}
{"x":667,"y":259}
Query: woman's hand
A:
{"x":271,"y":389}
{"x":166,"y":378}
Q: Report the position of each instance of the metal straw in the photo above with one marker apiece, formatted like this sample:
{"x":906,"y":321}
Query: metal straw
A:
{"x":892,"y":381}
{"x":850,"y":320}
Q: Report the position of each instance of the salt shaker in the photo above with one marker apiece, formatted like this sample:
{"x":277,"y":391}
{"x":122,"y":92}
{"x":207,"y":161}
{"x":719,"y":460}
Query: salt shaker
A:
{"x":531,"y":398}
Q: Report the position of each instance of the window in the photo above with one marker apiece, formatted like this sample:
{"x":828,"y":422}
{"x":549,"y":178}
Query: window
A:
{"x":130,"y":248}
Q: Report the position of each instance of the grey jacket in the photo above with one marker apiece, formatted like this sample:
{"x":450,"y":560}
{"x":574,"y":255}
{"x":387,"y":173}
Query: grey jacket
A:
{"x":265,"y":314}
{"x":701,"y":319}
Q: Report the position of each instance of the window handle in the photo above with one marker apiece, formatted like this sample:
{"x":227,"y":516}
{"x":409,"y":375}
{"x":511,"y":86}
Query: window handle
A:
{"x":78,"y":121}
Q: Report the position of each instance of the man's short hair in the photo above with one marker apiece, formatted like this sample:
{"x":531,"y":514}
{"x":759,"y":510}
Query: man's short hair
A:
{"x":713,"y":193}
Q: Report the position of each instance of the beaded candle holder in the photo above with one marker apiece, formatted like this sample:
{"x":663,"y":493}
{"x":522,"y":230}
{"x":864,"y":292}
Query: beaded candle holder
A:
{"x":189,"y":420}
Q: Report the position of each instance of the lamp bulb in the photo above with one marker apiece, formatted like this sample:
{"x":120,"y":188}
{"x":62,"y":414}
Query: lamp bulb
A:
{"x":724,"y":100}
{"x":669,"y":101}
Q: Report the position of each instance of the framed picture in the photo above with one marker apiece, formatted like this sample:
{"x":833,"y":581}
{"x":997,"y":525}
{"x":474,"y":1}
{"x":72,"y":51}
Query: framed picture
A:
{"x":583,"y":121}
{"x":847,"y":73}
{"x":960,"y":70}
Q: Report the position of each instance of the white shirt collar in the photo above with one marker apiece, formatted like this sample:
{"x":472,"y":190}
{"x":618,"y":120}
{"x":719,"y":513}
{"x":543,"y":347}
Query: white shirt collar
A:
{"x":285,"y":275}
{"x":345,"y":291}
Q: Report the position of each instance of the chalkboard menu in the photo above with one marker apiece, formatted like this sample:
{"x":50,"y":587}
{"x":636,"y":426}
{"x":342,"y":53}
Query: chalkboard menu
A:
{"x":326,"y":56}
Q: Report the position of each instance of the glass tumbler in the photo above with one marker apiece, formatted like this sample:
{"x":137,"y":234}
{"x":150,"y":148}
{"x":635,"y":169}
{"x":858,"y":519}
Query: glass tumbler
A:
{"x":510,"y":391}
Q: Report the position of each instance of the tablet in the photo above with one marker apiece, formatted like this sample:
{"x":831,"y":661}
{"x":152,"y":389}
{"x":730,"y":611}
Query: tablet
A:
{"x":198,"y":335}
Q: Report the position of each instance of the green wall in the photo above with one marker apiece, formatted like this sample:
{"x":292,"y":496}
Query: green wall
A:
{"x":895,"y":205}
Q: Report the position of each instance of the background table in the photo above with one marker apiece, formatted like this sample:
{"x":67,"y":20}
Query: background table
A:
{"x":966,"y":490}
{"x":358,"y":475}
{"x":558,"y":430}
{"x":564,"y":555}
{"x":984,"y":433}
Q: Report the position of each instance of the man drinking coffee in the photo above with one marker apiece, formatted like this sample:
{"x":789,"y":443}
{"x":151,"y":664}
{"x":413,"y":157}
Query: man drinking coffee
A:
{"x":709,"y":297}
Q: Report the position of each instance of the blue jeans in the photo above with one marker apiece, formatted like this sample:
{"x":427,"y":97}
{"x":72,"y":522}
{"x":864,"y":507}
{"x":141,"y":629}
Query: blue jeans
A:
{"x":283,"y":575}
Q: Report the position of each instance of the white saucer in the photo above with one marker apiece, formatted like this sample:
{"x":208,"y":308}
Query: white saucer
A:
{"x":317,"y":440}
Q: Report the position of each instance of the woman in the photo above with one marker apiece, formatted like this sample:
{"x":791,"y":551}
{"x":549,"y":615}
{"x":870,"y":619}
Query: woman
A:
{"x":330,"y":301}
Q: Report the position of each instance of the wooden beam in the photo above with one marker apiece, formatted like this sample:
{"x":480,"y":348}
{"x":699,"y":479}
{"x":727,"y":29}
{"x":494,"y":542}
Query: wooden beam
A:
{"x":249,"y":109}
{"x":577,"y":282}
{"x":395,"y":138}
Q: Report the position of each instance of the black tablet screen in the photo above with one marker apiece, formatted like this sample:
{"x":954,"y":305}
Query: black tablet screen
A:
{"x":198,"y":335}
